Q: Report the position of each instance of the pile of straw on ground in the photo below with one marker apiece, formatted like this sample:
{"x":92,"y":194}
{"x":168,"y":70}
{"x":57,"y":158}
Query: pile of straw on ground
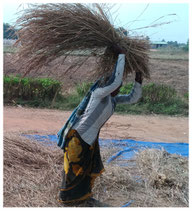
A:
{"x":48,"y":31}
{"x":32,"y":177}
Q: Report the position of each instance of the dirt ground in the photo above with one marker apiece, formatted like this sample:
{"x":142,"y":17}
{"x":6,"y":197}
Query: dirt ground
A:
{"x":153,"y":128}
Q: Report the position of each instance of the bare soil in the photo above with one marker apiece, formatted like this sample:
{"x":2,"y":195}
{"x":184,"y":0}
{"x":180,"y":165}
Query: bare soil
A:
{"x":154,"y":128}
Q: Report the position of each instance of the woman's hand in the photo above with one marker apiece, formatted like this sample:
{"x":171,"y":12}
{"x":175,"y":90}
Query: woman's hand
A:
{"x":117,"y":49}
{"x":139,"y":77}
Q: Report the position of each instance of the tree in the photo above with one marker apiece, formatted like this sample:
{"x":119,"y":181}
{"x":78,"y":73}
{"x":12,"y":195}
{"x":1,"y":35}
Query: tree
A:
{"x":186,"y":47}
{"x":172,"y":43}
{"x":122,"y":30}
{"x":147,"y":38}
{"x":9,"y":32}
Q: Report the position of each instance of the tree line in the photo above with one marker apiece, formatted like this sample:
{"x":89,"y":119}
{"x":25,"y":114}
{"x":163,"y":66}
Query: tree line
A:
{"x":9,"y":32}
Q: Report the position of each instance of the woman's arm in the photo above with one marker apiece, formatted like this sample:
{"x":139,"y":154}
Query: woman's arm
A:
{"x":116,"y":82}
{"x":135,"y":93}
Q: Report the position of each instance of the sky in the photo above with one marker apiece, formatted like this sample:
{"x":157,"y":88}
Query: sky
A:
{"x":171,"y":20}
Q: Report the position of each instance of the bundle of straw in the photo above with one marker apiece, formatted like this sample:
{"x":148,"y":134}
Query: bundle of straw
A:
{"x":48,"y":31}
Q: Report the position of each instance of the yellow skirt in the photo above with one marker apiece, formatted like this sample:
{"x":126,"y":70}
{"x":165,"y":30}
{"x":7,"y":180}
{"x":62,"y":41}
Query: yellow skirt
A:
{"x":82,"y":164}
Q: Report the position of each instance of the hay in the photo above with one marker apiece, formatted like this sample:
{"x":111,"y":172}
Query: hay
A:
{"x":158,"y":179}
{"x":32,"y":177}
{"x":31,"y":173}
{"x":166,"y":173}
{"x":48,"y":31}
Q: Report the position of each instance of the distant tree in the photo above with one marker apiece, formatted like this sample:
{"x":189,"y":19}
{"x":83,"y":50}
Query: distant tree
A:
{"x":147,"y":38}
{"x":186,"y":47}
{"x":9,"y":31}
{"x":188,"y":44}
{"x":173,"y":43}
{"x":176,"y":44}
{"x":122,"y":30}
{"x":163,"y":40}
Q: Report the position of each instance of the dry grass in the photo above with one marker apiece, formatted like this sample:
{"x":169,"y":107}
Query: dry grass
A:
{"x":31,"y":173}
{"x":32,"y":176}
{"x":165,"y":176}
{"x":48,"y":31}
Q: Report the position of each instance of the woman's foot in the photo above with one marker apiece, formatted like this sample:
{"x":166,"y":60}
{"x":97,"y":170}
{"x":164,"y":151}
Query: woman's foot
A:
{"x":91,"y":202}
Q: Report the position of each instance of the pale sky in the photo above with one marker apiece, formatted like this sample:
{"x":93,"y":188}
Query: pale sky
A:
{"x":136,"y":15}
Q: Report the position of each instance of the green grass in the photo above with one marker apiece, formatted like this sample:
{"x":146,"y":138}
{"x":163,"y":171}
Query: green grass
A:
{"x":177,"y":107}
{"x":30,"y":89}
{"x":156,"y":98}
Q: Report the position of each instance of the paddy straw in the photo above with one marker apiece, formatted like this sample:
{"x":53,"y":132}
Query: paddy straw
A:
{"x":49,"y":31}
{"x":32,"y":177}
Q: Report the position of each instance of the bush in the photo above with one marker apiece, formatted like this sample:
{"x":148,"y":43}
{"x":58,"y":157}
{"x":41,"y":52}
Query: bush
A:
{"x":158,"y":93}
{"x":125,"y":89}
{"x":16,"y":87}
{"x":156,"y":98}
{"x":186,"y":96}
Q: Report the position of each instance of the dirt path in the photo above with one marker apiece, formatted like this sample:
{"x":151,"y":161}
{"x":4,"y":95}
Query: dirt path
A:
{"x":137,"y":127}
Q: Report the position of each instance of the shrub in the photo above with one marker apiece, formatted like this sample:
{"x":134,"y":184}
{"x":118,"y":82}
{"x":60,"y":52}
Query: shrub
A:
{"x":186,"y":96}
{"x":156,"y":98}
{"x":158,"y":93}
{"x":16,"y":87}
{"x":125,"y":89}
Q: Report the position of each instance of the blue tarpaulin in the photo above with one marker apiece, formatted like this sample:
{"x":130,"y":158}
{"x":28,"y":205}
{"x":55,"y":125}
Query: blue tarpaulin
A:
{"x":126,"y":148}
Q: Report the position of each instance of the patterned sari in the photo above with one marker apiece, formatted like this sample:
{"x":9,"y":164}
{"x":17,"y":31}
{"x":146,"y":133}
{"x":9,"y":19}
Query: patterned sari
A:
{"x":82,"y":164}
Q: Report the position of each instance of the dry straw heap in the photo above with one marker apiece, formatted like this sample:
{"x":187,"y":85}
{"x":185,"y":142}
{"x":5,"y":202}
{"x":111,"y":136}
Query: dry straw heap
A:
{"x":49,"y":31}
{"x":32,"y":176}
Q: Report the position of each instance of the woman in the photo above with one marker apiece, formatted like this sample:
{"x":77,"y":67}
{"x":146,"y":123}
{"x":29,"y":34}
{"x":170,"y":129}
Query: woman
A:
{"x":82,"y":160}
